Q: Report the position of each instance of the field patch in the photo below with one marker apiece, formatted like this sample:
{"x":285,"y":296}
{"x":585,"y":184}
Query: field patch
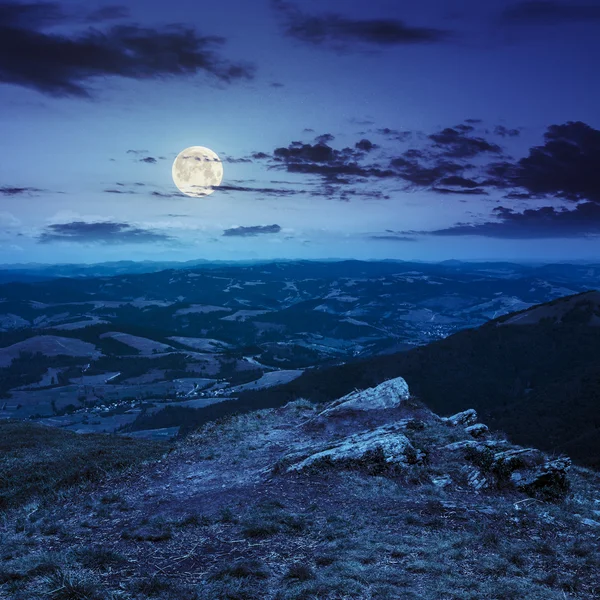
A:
{"x":49,"y":345}
{"x":201,"y":309}
{"x":141,"y":344}
{"x":202,"y":344}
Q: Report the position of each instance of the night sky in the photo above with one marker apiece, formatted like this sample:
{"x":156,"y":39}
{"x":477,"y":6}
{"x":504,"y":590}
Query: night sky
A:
{"x":347,"y":129}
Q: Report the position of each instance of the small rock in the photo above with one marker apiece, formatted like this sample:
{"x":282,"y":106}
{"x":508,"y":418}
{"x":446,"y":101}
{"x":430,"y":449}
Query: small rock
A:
{"x":390,"y":394}
{"x":477,"y":430}
{"x":590,"y":522}
{"x":442,"y":482}
{"x":460,"y":445}
{"x":467,"y":417}
{"x":475,"y":477}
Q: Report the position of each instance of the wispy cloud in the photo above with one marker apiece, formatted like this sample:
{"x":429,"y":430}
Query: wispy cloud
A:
{"x":102,"y":232}
{"x":251,"y":231}
{"x":18,"y":191}
{"x":343,"y":34}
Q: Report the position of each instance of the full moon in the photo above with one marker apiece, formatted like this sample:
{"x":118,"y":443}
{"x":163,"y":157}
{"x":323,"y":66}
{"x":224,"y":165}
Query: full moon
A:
{"x":197,"y":171}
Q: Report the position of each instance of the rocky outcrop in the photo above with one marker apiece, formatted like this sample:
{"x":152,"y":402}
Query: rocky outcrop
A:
{"x":390,"y":394}
{"x":387,"y":444}
{"x":382,"y":430}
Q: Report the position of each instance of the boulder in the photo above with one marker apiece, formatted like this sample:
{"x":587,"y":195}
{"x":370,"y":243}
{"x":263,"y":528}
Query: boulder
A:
{"x":477,"y":430}
{"x":467,"y":417}
{"x":390,"y":394}
{"x":386,"y":444}
{"x":548,"y":481}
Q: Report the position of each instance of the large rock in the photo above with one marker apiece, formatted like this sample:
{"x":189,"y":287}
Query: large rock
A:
{"x":390,"y":394}
{"x":385,"y":443}
{"x":466,"y":417}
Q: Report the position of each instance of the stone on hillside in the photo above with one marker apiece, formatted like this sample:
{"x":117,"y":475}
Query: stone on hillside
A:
{"x":477,"y":430}
{"x":516,"y":458}
{"x":466,"y":417}
{"x":475,"y":478}
{"x":548,"y":481}
{"x":461,"y":445}
{"x":442,"y":481}
{"x":390,"y":394}
{"x":385,"y":443}
{"x":590,"y":522}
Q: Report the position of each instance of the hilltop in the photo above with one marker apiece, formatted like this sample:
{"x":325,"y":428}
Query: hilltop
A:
{"x":369,"y":497}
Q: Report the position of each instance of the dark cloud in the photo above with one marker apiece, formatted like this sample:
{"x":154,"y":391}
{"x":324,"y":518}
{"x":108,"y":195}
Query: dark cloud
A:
{"x":458,"y":181}
{"x":506,"y":132}
{"x":108,"y":13}
{"x":365,"y":145}
{"x":251,"y":231}
{"x":545,"y":222}
{"x":232,"y":160}
{"x":473,"y":121}
{"x":345,"y":33}
{"x":265,"y":191}
{"x":566,"y":166}
{"x":549,"y":12}
{"x":66,"y":65}
{"x":460,"y":191}
{"x":136,"y":152}
{"x":452,"y":161}
{"x":391,"y":237}
{"x":401,"y":136}
{"x":464,"y":128}
{"x":325,"y":138}
{"x":118,"y":191}
{"x":457,"y":144}
{"x":150,"y":160}
{"x":18,"y":191}
{"x":323,"y":160}
{"x":421,"y":175}
{"x":105,"y":232}
{"x":168,"y":195}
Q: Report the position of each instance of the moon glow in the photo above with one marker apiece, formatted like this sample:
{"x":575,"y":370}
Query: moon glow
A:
{"x":197,"y":171}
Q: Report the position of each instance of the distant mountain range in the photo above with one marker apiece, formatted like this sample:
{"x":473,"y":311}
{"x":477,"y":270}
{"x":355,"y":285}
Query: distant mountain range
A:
{"x":534,"y":374}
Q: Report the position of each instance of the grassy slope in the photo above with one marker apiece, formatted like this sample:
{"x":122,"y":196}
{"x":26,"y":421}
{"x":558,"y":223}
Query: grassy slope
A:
{"x":201,"y":526}
{"x":36,"y":461}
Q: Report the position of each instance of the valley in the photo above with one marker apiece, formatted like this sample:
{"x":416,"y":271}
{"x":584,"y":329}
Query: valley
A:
{"x":104,"y":353}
